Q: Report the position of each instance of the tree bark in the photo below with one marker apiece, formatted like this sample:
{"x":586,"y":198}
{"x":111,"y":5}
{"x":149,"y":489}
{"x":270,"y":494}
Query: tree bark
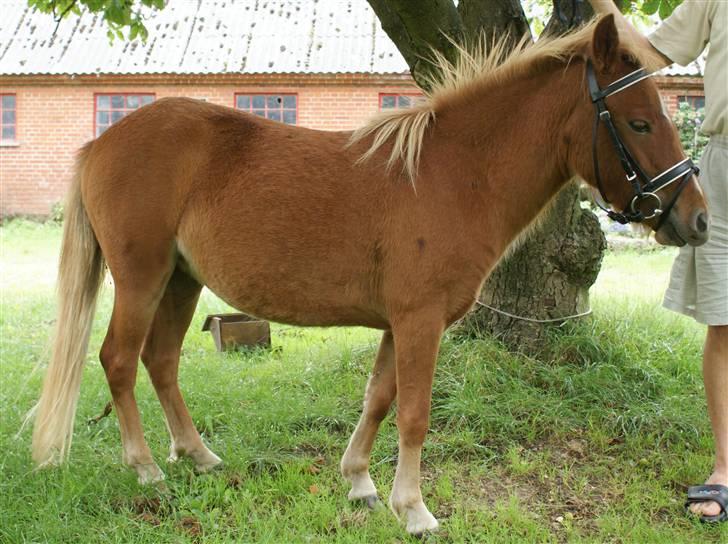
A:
{"x":493,"y":19}
{"x":545,"y":279}
{"x":418,"y":26}
{"x":548,"y":276}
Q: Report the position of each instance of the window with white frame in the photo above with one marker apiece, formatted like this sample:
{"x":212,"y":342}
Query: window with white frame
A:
{"x":277,"y":107}
{"x":111,"y":108}
{"x":8,"y":118}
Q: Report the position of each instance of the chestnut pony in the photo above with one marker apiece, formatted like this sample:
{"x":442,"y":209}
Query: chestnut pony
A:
{"x":394,"y":227}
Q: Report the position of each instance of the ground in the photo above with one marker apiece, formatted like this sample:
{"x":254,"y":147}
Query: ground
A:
{"x":595,"y":442}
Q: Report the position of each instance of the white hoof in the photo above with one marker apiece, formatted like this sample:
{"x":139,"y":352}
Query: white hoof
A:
{"x":203,"y":458}
{"x":417,"y":518}
{"x":362,"y":487}
{"x":149,"y":474}
{"x":420,"y":524}
{"x":210,"y":464}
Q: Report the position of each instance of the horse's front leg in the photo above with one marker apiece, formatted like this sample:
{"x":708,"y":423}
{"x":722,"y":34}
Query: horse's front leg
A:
{"x":416,"y":345}
{"x":378,"y":398}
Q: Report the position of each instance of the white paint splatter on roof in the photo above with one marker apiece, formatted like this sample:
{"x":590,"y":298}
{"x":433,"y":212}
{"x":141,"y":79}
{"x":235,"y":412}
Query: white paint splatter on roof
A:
{"x":205,"y":37}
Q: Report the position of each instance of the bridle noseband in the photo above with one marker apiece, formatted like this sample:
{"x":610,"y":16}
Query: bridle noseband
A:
{"x":648,"y":187}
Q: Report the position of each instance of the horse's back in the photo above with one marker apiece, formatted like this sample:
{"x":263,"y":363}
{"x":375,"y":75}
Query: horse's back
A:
{"x":259,"y":211}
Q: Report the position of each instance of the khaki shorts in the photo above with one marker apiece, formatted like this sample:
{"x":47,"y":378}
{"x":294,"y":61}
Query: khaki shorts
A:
{"x":699,"y":278}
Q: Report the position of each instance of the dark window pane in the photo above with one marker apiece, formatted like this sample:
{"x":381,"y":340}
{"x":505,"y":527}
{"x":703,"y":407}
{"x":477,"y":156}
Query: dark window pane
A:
{"x":8,"y":133}
{"x":696,"y":102}
{"x":289,"y":101}
{"x":132,"y":101}
{"x":259,"y":112}
{"x":258,"y":101}
{"x":102,"y":117}
{"x":103,"y":102}
{"x":147,"y":99}
{"x":9,"y":117}
{"x":274,"y":102}
{"x":289,"y":117}
{"x":274,"y":115}
{"x":404,"y":102}
{"x":117,"y":101}
{"x":116,"y":116}
{"x":243,"y":102}
{"x":9,"y":102}
{"x":388,"y":101}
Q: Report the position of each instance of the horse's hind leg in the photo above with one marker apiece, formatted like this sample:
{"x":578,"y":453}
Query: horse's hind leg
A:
{"x":136,"y":297}
{"x":378,"y":398}
{"x":161,"y":354}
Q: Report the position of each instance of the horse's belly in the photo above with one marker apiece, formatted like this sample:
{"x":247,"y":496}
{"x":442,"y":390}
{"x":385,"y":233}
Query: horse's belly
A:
{"x":297,"y":289}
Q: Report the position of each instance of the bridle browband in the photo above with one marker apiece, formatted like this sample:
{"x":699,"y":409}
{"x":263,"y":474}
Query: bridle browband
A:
{"x":681,"y":171}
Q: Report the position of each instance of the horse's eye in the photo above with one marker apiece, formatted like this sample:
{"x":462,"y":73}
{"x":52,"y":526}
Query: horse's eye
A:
{"x":639,"y":126}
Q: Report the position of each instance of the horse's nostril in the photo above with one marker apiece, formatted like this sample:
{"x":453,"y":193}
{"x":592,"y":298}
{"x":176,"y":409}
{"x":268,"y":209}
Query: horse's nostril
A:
{"x":701,"y":222}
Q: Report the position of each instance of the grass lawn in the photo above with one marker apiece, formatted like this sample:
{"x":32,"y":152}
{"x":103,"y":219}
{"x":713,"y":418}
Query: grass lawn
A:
{"x":597,"y":443}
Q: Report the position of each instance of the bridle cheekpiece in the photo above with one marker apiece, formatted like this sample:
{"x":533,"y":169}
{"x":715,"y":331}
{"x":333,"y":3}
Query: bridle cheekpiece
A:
{"x":644,"y":188}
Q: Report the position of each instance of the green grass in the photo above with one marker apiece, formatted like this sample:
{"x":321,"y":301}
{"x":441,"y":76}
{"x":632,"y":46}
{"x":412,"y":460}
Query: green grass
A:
{"x":596,"y":444}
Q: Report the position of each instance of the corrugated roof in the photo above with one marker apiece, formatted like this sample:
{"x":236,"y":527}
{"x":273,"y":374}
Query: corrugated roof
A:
{"x":212,"y":37}
{"x":196,"y":37}
{"x":694,"y":69}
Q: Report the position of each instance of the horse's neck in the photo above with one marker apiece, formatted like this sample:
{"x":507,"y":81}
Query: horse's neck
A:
{"x":512,"y":141}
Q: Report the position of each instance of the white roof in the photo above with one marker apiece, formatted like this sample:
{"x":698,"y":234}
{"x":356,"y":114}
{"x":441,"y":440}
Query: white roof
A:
{"x":212,"y":37}
{"x":694,"y":69}
{"x":205,"y":37}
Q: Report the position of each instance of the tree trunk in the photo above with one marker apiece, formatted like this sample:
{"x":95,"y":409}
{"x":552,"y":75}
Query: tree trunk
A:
{"x":548,"y":276}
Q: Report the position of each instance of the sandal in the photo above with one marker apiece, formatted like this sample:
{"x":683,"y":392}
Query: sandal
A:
{"x":707,"y":493}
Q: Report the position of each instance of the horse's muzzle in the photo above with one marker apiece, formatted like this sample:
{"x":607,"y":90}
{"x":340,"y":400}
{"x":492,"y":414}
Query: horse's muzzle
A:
{"x":677,"y":233}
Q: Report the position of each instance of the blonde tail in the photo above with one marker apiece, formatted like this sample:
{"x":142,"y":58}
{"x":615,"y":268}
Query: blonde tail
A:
{"x":80,"y":274}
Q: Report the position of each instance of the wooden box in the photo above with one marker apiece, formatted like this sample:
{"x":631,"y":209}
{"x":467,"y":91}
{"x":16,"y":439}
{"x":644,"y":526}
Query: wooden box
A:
{"x":233,"y":331}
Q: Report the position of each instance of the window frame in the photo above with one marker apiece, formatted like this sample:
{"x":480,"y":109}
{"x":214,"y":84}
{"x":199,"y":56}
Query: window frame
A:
{"x":690,"y":100}
{"x":9,"y":142}
{"x":125,"y":95}
{"x":412,"y":95}
{"x":265,"y":109}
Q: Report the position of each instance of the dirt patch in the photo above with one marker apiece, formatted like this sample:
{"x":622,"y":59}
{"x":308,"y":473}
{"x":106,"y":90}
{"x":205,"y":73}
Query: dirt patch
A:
{"x":192,"y":527}
{"x":563,"y":496}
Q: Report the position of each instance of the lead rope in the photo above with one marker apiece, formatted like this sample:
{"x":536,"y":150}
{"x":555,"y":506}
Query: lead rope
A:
{"x":531,"y":319}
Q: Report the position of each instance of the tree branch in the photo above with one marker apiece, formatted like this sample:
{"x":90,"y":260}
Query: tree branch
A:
{"x":493,"y":19}
{"x":418,"y":26}
{"x":568,"y":14}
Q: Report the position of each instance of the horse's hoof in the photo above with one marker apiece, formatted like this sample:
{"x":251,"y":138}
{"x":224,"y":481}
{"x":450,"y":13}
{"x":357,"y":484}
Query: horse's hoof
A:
{"x":370,"y":501}
{"x":422,"y":528}
{"x":149,"y":474}
{"x":418,"y":518}
{"x":202,"y":468}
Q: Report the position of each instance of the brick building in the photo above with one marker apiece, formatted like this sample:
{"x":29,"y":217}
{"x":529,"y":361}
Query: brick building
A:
{"x":322,"y":64}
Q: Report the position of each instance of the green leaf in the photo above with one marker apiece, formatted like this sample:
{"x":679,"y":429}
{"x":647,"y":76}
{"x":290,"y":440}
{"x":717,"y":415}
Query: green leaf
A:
{"x":650,"y":6}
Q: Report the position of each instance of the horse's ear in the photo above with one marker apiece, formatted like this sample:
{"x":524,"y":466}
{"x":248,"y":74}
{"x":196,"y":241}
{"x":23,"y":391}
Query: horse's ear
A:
{"x":605,"y":43}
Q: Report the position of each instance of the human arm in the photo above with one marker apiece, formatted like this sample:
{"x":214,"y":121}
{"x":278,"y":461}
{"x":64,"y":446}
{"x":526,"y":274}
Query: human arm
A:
{"x":606,"y":7}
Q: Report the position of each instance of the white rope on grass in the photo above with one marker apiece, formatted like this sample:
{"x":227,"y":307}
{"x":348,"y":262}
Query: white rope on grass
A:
{"x":532,"y":320}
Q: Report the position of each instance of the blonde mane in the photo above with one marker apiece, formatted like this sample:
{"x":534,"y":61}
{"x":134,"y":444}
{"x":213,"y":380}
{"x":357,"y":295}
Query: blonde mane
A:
{"x":475,"y":67}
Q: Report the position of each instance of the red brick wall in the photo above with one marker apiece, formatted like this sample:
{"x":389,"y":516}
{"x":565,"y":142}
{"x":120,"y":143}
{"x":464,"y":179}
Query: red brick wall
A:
{"x":55,"y":116}
{"x":674,"y":87}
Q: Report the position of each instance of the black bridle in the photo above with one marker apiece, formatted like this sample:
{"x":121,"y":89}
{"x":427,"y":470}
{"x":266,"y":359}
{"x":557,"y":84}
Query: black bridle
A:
{"x":644,"y":188}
